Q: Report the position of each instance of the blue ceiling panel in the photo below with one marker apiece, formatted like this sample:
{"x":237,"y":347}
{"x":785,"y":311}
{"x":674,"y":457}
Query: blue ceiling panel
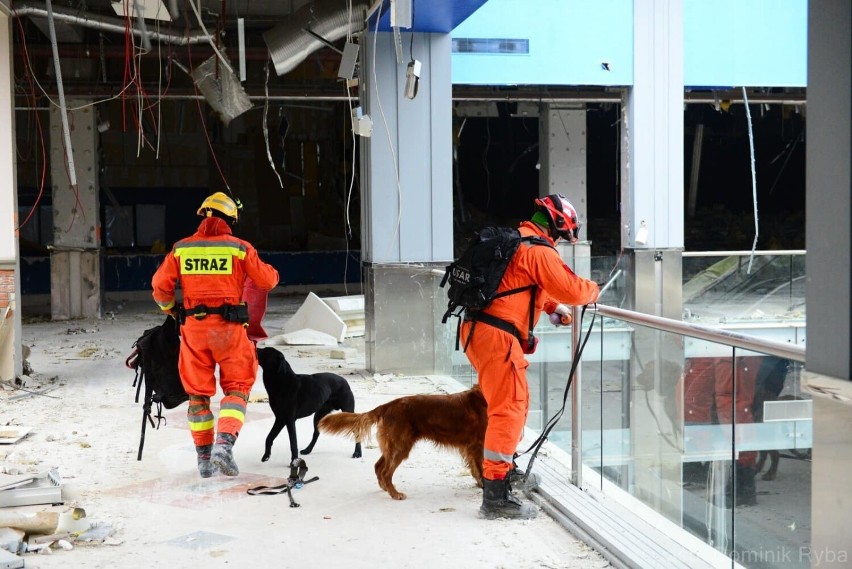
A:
{"x":432,"y":16}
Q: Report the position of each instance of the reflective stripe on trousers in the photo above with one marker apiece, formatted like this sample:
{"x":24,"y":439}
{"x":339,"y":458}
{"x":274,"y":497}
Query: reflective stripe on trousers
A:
{"x":501,"y":368}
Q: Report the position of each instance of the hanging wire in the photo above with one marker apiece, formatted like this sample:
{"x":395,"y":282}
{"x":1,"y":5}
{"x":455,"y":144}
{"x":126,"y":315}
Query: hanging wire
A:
{"x":347,"y":229}
{"x":265,"y":128}
{"x":30,"y":76}
{"x":390,"y":142}
{"x":204,"y":124}
{"x":753,"y":180}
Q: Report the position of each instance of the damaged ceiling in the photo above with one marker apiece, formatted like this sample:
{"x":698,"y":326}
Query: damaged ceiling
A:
{"x":95,"y":39}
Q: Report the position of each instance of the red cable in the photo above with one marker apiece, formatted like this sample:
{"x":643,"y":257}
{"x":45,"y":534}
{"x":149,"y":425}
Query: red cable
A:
{"x":204,"y":124}
{"x":34,"y":102}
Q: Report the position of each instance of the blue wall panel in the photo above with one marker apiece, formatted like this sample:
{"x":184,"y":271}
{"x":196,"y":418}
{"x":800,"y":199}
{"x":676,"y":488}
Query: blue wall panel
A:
{"x":133,"y":272}
{"x":727,"y":43}
{"x":755,"y":43}
{"x":568,"y":41}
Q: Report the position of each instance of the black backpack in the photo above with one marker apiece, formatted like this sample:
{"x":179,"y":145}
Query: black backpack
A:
{"x":476,"y":275}
{"x":155,"y":360}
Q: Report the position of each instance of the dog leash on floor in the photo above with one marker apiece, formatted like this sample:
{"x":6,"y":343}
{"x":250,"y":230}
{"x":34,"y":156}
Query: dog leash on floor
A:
{"x":298,"y":469}
{"x":537,"y":444}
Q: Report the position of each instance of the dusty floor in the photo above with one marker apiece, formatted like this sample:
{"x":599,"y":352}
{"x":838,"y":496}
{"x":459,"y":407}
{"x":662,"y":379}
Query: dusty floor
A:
{"x":158,"y":512}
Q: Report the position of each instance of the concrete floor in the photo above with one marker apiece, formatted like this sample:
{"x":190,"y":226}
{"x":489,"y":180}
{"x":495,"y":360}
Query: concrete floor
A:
{"x":158,"y":512}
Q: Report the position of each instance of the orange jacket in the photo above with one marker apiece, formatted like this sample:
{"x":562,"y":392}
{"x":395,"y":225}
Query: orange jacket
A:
{"x":211,"y":266}
{"x":542,"y":266}
{"x":708,"y":389}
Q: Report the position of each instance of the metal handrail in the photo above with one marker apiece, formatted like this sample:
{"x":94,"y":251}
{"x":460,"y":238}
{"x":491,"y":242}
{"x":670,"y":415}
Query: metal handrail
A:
{"x":709,"y":333}
{"x":779,"y":253}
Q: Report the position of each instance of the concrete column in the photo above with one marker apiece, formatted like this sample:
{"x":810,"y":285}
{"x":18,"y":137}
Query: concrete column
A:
{"x":829,"y":260}
{"x":75,"y":260}
{"x":562,"y":156}
{"x":11,"y":361}
{"x":407,"y":201}
{"x":652,"y":239}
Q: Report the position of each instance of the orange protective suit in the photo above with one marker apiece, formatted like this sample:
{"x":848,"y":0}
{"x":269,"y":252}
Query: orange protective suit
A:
{"x":211,"y":267}
{"x":709,"y":396}
{"x":497,"y":355}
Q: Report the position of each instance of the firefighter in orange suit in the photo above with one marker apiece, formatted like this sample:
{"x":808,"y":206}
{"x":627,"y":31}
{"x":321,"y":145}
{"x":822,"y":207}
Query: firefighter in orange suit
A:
{"x":711,"y":396}
{"x":497,"y":338}
{"x":212,"y":267}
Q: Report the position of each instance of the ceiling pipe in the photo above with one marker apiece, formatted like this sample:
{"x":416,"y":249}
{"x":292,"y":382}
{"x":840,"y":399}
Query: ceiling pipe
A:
{"x":461,"y":94}
{"x":102,"y":23}
{"x":75,"y":51}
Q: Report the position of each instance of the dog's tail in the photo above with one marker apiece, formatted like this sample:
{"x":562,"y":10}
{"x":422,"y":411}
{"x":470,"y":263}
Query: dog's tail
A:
{"x":358,"y":426}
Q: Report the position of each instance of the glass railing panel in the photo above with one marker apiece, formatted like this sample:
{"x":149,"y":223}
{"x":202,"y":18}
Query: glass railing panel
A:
{"x":605,"y":402}
{"x":547,"y":376}
{"x":613,"y":282}
{"x":771,"y":479}
{"x":706,"y":391}
{"x":741,"y":288}
{"x":651,"y":436}
{"x":716,"y":439}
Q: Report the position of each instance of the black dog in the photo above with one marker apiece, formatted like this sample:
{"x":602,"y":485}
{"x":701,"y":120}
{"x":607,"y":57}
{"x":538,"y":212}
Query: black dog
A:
{"x":294,"y":396}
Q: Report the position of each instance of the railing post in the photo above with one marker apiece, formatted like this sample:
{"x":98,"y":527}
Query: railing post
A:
{"x":576,"y":394}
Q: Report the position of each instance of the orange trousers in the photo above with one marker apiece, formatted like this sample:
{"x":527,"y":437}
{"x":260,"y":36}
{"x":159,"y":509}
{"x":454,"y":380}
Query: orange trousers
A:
{"x":502,"y":370}
{"x":206,"y":343}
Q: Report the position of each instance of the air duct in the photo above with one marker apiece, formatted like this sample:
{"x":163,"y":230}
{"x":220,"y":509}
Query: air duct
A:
{"x":222,"y":89}
{"x":289,"y":44}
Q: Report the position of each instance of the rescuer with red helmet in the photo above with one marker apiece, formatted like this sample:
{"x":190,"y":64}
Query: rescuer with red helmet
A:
{"x":497,"y":347}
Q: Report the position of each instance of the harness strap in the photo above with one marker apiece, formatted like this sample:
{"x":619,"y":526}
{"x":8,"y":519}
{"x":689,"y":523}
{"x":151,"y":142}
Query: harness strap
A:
{"x":230,"y":312}
{"x":204,"y":310}
{"x":479,"y":316}
{"x":495,"y":322}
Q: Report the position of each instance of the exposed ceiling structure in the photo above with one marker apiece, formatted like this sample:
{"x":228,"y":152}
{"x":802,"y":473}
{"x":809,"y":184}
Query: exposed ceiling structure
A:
{"x":97,"y":40}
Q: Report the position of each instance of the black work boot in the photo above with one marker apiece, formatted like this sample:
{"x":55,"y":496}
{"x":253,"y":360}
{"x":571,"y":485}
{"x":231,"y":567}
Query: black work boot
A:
{"x":222,"y":455}
{"x":517,"y":482}
{"x":205,"y":467}
{"x":499,"y":502}
{"x":746,"y":494}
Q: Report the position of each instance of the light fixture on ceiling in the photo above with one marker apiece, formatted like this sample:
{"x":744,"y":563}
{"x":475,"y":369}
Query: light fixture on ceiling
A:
{"x":151,"y":9}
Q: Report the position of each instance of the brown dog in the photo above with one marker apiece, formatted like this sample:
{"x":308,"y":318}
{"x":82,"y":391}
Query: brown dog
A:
{"x":456,"y":421}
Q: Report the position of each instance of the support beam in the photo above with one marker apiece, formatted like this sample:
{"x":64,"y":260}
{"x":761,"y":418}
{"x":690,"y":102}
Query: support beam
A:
{"x":829,"y":260}
{"x":652,"y":237}
{"x":11,"y":362}
{"x":75,"y":259}
{"x":562,"y":155}
{"x":695,"y":169}
{"x":407,"y":202}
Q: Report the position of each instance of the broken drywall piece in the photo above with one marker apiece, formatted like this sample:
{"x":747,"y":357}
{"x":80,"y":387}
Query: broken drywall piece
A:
{"x":29,"y":521}
{"x":11,"y":539}
{"x":303,"y":337}
{"x":25,"y":490}
{"x":343,"y":353}
{"x":350,"y":309}
{"x":10,"y":434}
{"x":96,"y":534}
{"x":314,"y":314}
{"x":10,"y":560}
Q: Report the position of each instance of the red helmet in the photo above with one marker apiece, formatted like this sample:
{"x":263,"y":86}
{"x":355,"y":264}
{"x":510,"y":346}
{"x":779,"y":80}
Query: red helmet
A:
{"x":561,"y":216}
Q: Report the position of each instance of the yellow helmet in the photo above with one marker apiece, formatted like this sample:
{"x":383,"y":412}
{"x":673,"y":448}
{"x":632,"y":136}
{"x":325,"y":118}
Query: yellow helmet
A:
{"x":220,"y":202}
